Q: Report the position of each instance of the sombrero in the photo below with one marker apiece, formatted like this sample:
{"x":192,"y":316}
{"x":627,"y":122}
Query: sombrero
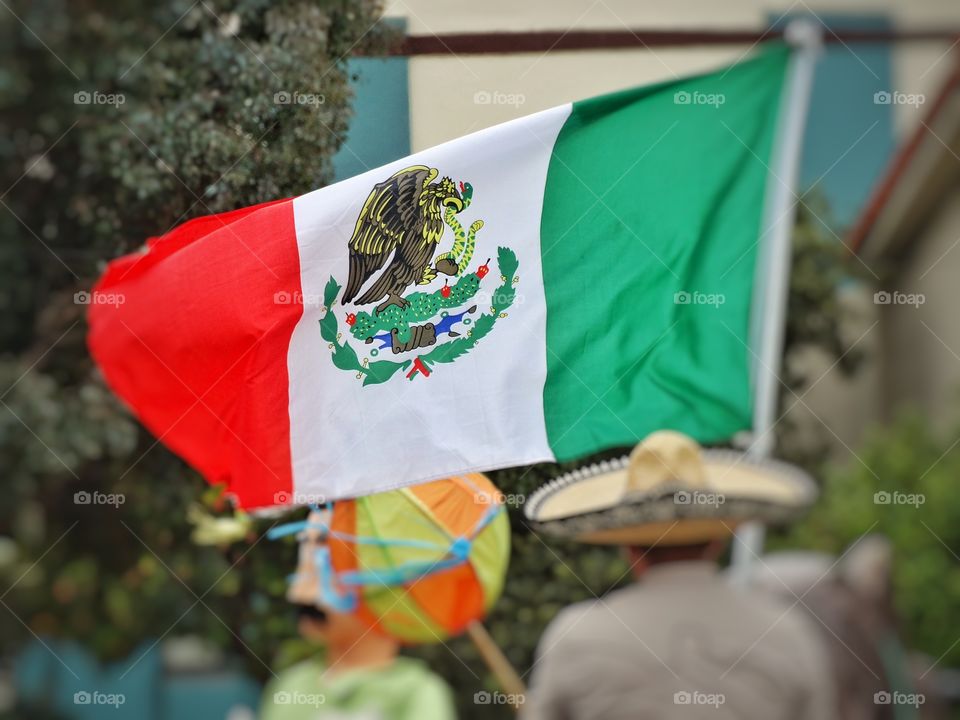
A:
{"x":669,"y":491}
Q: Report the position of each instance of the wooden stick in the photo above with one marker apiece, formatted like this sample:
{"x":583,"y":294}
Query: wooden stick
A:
{"x":493,"y":656}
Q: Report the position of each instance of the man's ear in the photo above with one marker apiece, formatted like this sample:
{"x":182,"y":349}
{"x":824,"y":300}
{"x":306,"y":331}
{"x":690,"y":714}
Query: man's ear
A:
{"x":716,"y":549}
{"x":636,"y":558}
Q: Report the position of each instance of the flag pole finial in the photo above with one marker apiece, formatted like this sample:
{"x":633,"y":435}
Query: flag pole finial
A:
{"x":804,"y":33}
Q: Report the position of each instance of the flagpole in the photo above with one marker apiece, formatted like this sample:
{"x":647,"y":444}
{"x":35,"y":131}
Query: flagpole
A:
{"x":773,"y":276}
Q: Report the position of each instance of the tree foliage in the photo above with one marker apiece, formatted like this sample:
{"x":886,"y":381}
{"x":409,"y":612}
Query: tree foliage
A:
{"x":117,"y":121}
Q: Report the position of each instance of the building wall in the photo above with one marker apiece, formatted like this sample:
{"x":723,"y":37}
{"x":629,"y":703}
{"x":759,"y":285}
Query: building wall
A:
{"x":921,"y":343}
{"x":834,"y":410}
{"x":442,"y":89}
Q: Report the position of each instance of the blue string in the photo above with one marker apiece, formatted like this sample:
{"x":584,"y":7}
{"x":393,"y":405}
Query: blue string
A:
{"x":384,"y":542}
{"x":458,"y":552}
{"x":398,"y":574}
{"x":342,"y":602}
{"x":293,"y":528}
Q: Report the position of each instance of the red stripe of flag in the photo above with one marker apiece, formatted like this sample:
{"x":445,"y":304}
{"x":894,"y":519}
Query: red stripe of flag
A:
{"x":193,"y":336}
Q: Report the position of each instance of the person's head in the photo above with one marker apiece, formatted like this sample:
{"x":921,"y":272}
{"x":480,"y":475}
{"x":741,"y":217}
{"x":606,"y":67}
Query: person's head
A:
{"x":642,"y":557}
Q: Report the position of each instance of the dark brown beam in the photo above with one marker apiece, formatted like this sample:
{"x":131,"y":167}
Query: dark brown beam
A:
{"x":501,"y":43}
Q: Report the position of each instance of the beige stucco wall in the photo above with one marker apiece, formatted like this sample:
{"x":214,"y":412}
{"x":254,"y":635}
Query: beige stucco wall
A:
{"x":921,"y":344}
{"x":443,"y":88}
{"x":833,"y":409}
{"x":912,"y":349}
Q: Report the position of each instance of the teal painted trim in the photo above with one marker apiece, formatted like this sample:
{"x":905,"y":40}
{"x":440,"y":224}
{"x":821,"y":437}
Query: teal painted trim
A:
{"x":380,"y":128}
{"x":849,"y":138}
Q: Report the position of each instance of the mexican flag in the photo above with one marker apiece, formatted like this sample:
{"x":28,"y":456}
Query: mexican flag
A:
{"x":536,"y":291}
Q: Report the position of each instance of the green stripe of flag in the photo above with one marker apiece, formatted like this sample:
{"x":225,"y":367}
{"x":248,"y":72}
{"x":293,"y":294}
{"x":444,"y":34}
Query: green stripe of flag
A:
{"x":650,"y":229}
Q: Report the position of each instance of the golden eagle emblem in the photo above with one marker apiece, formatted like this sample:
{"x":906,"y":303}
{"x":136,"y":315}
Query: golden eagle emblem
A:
{"x":401,"y":221}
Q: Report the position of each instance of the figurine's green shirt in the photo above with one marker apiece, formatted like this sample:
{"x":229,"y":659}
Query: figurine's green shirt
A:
{"x":403,"y":690}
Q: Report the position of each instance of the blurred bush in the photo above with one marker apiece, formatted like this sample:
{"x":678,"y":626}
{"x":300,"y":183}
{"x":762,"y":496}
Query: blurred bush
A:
{"x":902,"y":483}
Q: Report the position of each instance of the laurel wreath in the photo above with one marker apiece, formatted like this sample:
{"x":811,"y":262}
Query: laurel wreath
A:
{"x":378,"y":371}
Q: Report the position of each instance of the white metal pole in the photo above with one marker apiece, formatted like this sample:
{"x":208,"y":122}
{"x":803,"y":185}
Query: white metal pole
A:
{"x":773,"y":266}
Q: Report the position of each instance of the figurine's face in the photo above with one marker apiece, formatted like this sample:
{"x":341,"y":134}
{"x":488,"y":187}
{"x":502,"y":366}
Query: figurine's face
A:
{"x":318,"y":622}
{"x":305,"y":588}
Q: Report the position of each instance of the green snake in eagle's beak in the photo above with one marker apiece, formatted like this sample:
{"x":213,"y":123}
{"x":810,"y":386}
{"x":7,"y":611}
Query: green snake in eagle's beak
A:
{"x":460,"y":201}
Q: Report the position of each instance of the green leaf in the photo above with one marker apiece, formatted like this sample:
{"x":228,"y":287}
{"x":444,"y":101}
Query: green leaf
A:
{"x":508,"y":263}
{"x":382,"y":370}
{"x":345,"y":358}
{"x":328,"y":327}
{"x":330,"y":292}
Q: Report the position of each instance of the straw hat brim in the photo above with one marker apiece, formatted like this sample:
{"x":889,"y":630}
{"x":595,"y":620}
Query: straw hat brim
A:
{"x":595,"y":505}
